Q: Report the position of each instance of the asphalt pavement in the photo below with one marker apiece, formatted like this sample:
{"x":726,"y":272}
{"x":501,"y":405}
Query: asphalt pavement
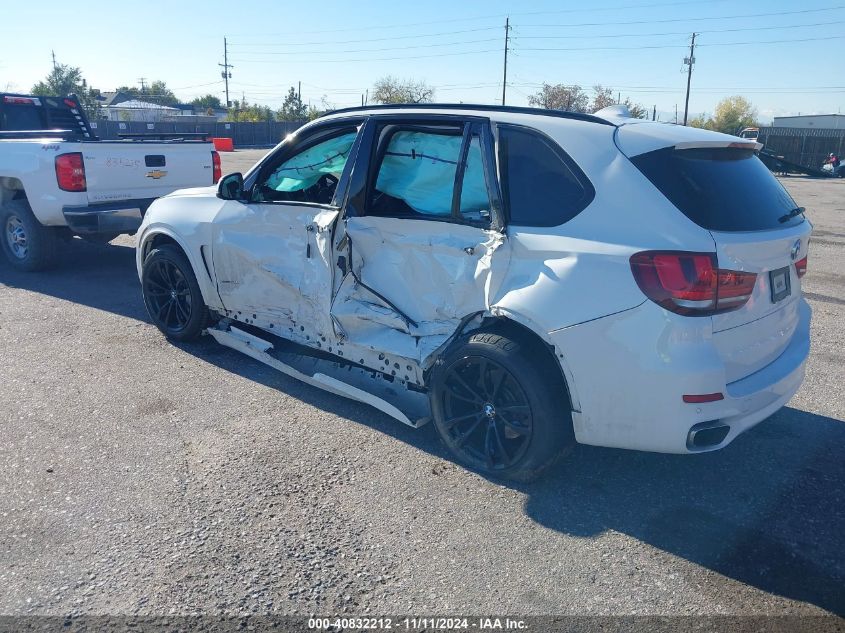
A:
{"x":142,"y":477}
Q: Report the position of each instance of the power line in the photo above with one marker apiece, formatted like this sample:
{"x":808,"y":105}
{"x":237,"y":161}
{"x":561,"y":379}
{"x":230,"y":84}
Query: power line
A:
{"x":650,"y":47}
{"x":615,"y":35}
{"x":372,"y":59}
{"x":373,"y":50}
{"x":488,"y":16}
{"x":666,"y":21}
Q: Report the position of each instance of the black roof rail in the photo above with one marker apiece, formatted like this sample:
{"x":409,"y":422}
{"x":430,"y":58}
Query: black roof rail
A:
{"x":561,"y":114}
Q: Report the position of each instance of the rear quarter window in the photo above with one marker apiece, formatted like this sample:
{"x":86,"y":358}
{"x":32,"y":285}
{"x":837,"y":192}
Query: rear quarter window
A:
{"x":542,"y":186}
{"x":720,"y":189}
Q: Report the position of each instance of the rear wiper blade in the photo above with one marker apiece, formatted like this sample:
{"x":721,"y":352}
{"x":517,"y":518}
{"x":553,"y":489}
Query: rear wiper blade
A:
{"x":791,"y":214}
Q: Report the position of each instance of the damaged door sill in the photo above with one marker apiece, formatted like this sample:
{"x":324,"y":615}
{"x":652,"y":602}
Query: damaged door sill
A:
{"x":350,"y":381}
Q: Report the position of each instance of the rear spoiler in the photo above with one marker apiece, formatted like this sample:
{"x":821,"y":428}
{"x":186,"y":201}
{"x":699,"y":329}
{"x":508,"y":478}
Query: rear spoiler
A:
{"x":739,"y":144}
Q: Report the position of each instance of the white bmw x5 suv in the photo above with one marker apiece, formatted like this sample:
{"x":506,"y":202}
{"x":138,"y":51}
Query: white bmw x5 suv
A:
{"x":524,"y":278}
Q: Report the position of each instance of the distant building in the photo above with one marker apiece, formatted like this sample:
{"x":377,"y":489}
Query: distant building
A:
{"x":135,"y":110}
{"x":824,"y":121}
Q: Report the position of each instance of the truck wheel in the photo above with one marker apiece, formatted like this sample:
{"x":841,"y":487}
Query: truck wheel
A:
{"x":27,"y":244}
{"x":496,"y":408}
{"x":172,"y":295}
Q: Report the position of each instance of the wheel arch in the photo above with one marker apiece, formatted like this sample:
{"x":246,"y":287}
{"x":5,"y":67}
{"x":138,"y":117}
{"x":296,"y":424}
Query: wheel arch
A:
{"x":505,"y":322}
{"x":159,"y":236}
{"x":11,"y":189}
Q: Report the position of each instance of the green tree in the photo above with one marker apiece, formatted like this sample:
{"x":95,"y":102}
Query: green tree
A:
{"x":207,"y":101}
{"x":637,"y":110}
{"x":154,"y":92}
{"x":731,"y":116}
{"x":292,"y":108}
{"x":244,"y":111}
{"x":392,"y":90}
{"x":64,"y":80}
{"x":560,"y":97}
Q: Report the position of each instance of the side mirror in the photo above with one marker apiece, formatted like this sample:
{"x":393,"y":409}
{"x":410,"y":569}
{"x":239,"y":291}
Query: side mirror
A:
{"x":231,"y":187}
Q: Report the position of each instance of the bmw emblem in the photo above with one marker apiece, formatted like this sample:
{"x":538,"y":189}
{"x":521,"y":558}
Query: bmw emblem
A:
{"x":796,"y":248}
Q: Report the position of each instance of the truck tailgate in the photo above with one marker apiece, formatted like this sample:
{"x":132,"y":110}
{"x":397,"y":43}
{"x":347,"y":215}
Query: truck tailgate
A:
{"x":128,"y":170}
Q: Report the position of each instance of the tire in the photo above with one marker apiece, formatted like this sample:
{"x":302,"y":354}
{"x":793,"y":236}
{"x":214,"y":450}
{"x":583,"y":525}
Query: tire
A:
{"x":26,"y":243}
{"x":172,"y":295}
{"x":497,"y":408}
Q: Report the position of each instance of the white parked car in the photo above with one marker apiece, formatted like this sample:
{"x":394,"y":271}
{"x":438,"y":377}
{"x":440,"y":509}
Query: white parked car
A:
{"x":524,"y":278}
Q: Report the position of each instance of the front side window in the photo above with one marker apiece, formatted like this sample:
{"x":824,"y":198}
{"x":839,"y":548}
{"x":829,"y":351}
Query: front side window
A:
{"x":418,"y":172}
{"x":541,"y":185}
{"x":310,"y":175}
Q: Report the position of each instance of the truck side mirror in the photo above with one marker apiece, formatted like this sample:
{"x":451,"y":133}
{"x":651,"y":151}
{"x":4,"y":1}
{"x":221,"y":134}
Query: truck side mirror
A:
{"x":231,"y":187}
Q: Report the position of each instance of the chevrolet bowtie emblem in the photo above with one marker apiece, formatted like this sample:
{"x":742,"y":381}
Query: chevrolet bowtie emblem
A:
{"x":156,"y":174}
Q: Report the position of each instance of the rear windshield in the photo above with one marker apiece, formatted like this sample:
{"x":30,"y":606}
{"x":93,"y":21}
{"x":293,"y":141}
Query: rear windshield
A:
{"x":20,"y":117}
{"x":721,"y":189}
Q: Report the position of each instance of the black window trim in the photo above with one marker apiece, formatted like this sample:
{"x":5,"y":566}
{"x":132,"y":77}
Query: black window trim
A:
{"x":367,"y":160}
{"x":577,"y":172}
{"x":313,"y":136}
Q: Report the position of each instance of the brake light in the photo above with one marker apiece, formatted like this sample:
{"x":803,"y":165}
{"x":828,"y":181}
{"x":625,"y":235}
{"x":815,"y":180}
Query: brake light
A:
{"x":22,"y":100}
{"x":215,"y":163}
{"x":691,"y":284}
{"x":70,"y":172}
{"x":801,"y":267}
{"x":69,"y":103}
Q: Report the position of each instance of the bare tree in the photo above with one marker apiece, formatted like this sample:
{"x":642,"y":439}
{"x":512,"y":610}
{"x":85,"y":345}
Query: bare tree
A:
{"x":392,"y":90}
{"x":603,"y":98}
{"x":637,"y":110}
{"x":560,"y":97}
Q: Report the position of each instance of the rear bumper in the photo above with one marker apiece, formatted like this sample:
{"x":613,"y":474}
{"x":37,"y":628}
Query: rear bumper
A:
{"x":631,"y":370}
{"x":123,"y":216}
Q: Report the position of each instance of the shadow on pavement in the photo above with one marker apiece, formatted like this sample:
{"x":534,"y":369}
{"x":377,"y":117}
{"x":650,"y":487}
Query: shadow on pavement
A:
{"x":768,"y":510}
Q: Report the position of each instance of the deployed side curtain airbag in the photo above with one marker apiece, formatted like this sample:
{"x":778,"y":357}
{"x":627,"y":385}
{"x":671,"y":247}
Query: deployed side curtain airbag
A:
{"x":305,"y":169}
{"x":419,"y":169}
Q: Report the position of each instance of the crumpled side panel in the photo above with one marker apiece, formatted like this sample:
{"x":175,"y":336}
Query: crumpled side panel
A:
{"x":318,"y":268}
{"x":433,"y":274}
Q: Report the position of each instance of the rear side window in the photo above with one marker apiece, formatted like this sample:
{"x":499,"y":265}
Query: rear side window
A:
{"x":542,"y":186}
{"x":720,"y":189}
{"x":21,"y":118}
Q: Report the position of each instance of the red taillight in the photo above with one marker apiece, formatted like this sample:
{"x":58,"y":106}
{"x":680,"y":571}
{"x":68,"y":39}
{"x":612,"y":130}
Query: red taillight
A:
{"x":703,"y":397}
{"x":801,"y":267}
{"x":70,"y":172}
{"x":69,"y":103}
{"x":691,"y":284}
{"x":215,"y":162}
{"x":22,"y":100}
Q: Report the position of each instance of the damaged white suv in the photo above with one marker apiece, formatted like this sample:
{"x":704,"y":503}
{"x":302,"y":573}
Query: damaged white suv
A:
{"x":524,"y":278}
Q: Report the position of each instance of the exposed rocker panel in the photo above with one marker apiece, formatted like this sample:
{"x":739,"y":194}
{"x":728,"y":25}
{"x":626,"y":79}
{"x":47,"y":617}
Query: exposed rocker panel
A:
{"x":258,"y":348}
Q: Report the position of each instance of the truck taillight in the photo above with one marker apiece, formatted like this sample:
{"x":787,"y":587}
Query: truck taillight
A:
{"x":691,"y":284}
{"x":70,"y":172}
{"x":215,"y":163}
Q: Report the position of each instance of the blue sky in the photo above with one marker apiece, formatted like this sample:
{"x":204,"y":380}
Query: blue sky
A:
{"x":338,"y":49}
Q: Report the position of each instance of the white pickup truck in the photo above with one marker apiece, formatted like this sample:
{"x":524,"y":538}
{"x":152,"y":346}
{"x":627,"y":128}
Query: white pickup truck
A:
{"x":57,"y":179}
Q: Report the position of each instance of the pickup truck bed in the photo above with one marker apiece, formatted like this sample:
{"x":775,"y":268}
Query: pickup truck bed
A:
{"x":65,"y":180}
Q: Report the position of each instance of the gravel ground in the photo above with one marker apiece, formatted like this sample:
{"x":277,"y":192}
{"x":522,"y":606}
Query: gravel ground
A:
{"x":139,"y":477}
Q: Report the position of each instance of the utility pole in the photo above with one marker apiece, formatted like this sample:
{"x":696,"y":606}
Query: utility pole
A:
{"x":505,"y":73}
{"x":226,"y":74}
{"x":676,"y":114}
{"x":367,"y":97}
{"x":299,"y":91}
{"x":689,"y":61}
{"x":142,"y":81}
{"x":54,"y":60}
{"x":654,"y":113}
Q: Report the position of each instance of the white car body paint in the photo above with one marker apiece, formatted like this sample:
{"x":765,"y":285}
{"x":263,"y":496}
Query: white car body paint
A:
{"x":115,"y":171}
{"x":412,"y":284}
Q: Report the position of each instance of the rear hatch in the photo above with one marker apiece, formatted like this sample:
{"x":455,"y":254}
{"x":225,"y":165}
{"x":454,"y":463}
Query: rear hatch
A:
{"x":757,"y":228}
{"x":123,"y":170}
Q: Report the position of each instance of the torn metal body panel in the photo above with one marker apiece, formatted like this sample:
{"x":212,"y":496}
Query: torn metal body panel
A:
{"x":343,"y":379}
{"x":411,"y":283}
